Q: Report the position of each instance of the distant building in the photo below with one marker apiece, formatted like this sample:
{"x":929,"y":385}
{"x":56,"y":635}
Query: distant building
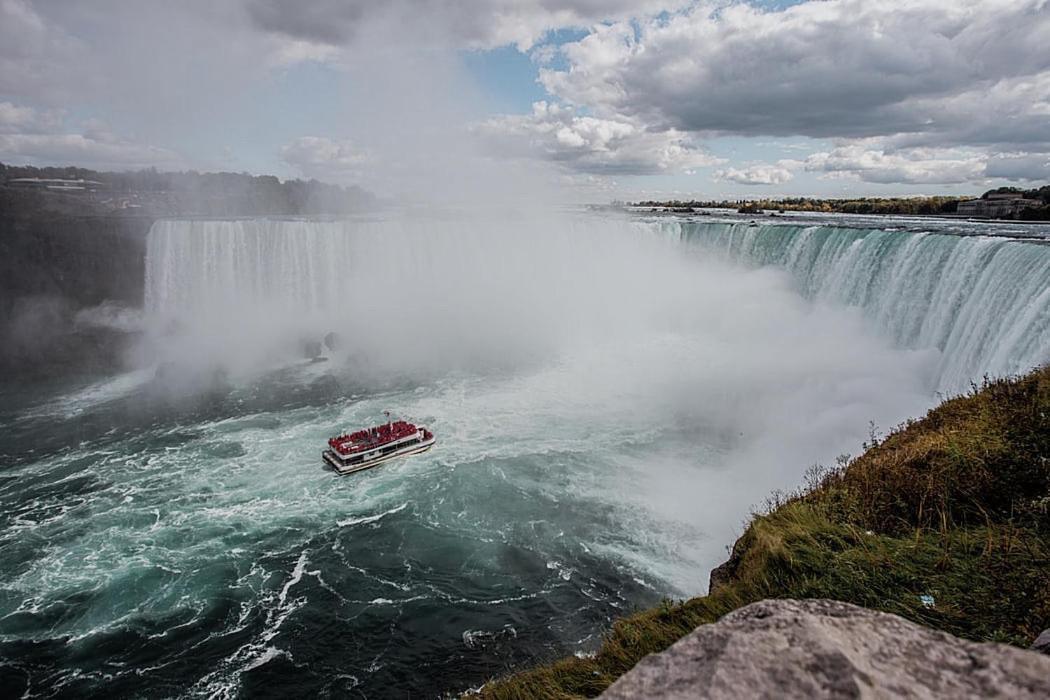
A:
{"x":997,"y":205}
{"x":56,"y":183}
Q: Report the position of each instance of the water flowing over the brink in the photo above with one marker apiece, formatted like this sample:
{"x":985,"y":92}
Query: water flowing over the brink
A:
{"x":191,"y":264}
{"x":982,"y":301}
{"x":609,"y":401}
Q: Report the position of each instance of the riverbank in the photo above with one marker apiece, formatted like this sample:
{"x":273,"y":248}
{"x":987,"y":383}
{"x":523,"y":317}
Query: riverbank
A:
{"x":944,"y":522}
{"x":791,"y":214}
{"x":1036,"y":205}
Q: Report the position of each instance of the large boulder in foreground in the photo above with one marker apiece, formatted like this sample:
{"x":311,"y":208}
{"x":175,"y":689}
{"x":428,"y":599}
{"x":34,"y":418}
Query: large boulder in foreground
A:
{"x":826,"y":649}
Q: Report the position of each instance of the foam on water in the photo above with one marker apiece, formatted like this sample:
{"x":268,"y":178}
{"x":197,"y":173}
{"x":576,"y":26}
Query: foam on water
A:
{"x":608,"y":404}
{"x":90,"y":396}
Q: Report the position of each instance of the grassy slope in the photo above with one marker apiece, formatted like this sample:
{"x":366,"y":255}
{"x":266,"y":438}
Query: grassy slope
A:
{"x":956,"y":505}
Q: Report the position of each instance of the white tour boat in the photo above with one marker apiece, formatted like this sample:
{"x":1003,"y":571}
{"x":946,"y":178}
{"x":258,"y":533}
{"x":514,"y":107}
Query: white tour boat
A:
{"x":364,"y":449}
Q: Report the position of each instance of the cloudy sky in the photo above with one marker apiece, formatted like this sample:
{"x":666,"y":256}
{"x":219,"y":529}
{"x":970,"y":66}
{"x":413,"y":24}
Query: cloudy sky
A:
{"x":606,"y":98}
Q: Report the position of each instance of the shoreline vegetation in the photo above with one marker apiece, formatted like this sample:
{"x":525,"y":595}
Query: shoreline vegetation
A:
{"x":943,"y":522}
{"x":30,"y":192}
{"x":888,"y":206}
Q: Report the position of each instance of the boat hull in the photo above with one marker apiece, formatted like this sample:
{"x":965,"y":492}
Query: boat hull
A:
{"x":343,"y":469}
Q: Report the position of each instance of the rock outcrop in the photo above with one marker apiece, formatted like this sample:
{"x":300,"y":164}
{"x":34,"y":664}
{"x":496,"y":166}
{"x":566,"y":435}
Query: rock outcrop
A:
{"x":721,"y":575}
{"x":826,"y":649}
{"x":1042,"y":643}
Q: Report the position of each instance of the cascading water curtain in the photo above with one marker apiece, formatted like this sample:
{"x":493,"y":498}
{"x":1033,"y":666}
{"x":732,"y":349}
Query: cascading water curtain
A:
{"x":984,"y":302}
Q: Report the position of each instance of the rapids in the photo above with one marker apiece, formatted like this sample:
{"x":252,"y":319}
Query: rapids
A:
{"x":610,"y":397}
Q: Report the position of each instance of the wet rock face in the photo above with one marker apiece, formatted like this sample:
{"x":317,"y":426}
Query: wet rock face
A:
{"x":826,"y":649}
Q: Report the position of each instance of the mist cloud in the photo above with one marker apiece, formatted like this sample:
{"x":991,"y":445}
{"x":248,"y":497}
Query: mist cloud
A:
{"x":543,"y":323}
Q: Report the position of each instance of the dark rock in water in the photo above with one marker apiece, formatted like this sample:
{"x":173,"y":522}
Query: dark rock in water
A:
{"x":827,"y":649}
{"x":1042,"y":643}
{"x":333,"y":341}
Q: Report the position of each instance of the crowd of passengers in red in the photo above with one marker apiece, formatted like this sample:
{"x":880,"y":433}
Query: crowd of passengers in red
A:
{"x":373,"y":437}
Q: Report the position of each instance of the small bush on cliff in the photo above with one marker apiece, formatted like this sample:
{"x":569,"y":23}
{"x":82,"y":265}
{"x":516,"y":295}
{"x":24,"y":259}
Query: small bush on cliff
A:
{"x":973,"y":460}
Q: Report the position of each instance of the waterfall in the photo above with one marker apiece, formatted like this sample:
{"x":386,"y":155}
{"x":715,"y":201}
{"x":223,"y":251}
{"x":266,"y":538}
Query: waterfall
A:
{"x":193,"y":265}
{"x":982,"y":301}
{"x":405,"y":291}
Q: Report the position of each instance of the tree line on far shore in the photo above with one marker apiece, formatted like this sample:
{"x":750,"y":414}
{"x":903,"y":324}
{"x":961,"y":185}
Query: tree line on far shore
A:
{"x":920,"y":206}
{"x":192,"y":192}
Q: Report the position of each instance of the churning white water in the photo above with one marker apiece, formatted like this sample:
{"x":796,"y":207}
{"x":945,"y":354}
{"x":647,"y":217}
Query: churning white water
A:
{"x":573,"y":333}
{"x":610,"y":397}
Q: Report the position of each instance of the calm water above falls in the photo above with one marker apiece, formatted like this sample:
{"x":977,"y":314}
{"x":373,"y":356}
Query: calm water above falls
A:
{"x":609,"y":397}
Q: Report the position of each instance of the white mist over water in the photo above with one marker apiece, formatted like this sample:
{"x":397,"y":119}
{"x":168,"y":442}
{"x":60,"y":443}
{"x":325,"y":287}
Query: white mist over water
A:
{"x":608,"y":403}
{"x":701,"y":385}
{"x":609,"y":400}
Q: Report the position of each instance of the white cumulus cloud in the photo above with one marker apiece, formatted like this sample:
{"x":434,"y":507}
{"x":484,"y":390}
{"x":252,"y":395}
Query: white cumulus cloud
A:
{"x":593,"y":145}
{"x":759,"y":174}
{"x":42,"y":137}
{"x":326,"y":159}
{"x":836,"y":68}
{"x":920,"y":166}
